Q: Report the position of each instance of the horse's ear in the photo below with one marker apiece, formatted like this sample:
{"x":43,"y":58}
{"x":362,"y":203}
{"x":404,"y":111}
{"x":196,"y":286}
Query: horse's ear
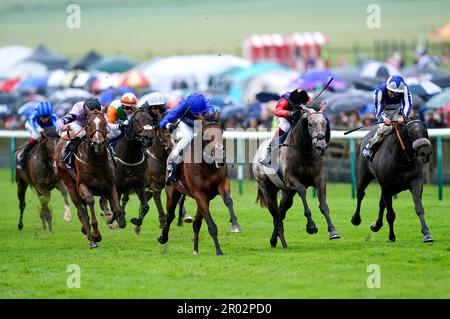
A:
{"x":217,"y":116}
{"x":328,"y":132}
{"x":305,"y":132}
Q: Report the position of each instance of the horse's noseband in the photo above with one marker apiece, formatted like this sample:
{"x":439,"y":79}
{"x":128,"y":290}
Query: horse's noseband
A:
{"x":318,"y":137}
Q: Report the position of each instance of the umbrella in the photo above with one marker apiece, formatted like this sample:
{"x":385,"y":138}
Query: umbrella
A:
{"x":69,"y":94}
{"x":312,"y":79}
{"x":350,"y":100}
{"x":32,"y":84}
{"x":439,"y":100}
{"x":221,"y":100}
{"x":233,"y":110}
{"x":84,"y":62}
{"x":423,"y":88}
{"x":56,"y":78}
{"x":11,"y":55}
{"x":276,"y":82}
{"x":375,"y":69}
{"x":25,"y":110}
{"x":134,"y":79}
{"x":267,"y":96}
{"x":25,"y":69}
{"x":9,"y":85}
{"x":48,"y":58}
{"x":112,"y":64}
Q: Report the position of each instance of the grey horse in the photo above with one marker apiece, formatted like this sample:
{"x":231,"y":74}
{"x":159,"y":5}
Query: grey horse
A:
{"x":396,"y":169}
{"x":300,"y":165}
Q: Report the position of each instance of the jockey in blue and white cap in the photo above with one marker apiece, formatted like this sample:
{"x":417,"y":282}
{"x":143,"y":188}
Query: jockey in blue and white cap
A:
{"x":393,"y":103}
{"x":41,"y":117}
{"x":188,"y":110}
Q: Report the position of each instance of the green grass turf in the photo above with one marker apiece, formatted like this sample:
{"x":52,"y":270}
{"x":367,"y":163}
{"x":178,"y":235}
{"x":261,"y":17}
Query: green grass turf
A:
{"x":142,"y":29}
{"x":33,"y":262}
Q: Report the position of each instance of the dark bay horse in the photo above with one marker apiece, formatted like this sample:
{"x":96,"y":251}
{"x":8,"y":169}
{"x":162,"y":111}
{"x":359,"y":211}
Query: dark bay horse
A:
{"x":94,"y":176}
{"x":40,"y":174}
{"x":301,"y":165}
{"x":155,"y":178}
{"x":131,"y":159}
{"x":395,"y":169}
{"x":202,"y":180}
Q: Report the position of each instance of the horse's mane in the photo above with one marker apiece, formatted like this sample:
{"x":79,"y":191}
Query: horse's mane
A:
{"x":51,"y":132}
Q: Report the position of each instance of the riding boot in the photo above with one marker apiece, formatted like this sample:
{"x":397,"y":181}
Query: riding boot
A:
{"x":368,"y":151}
{"x":278,"y":139}
{"x":172,"y":169}
{"x":22,"y":158}
{"x":69,"y":151}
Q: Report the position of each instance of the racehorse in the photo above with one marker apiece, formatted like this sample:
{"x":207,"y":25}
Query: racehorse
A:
{"x":397,"y":166}
{"x":94,"y":175}
{"x":202,"y":180}
{"x":40,"y":173}
{"x":131,"y":159}
{"x":158,"y":153}
{"x":300,"y":165}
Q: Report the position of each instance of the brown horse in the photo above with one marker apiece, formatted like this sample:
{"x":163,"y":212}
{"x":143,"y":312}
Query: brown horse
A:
{"x":155,"y":178}
{"x":94,"y":176}
{"x":202,"y":181}
{"x":40,"y":173}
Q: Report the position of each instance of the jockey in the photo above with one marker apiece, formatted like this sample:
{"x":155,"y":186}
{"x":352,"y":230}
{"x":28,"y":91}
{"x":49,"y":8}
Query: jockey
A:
{"x":76,"y":120}
{"x":41,"y":117}
{"x":121,"y":115}
{"x":156,"y":106}
{"x":393,"y":103}
{"x":284,"y":111}
{"x":194,"y":107}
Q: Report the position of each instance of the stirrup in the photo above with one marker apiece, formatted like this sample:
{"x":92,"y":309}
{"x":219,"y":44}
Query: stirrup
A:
{"x":266,"y":161}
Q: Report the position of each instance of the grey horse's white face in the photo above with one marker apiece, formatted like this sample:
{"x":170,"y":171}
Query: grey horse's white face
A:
{"x":317,"y":128}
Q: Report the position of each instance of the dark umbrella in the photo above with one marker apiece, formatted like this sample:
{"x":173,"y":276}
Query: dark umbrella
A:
{"x":232,"y":110}
{"x":109,"y":95}
{"x":50,"y":59}
{"x":84,"y":62}
{"x":112,"y":64}
{"x":267,"y":96}
{"x":25,"y":110}
{"x":312,"y":79}
{"x":424,"y":89}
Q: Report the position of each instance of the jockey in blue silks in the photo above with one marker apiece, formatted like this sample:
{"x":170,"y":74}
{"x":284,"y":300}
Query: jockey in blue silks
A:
{"x":393,"y":103}
{"x":41,"y":117}
{"x":191,"y":108}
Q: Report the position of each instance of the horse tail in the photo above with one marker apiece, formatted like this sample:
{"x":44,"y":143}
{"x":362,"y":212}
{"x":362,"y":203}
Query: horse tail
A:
{"x":261,"y":199}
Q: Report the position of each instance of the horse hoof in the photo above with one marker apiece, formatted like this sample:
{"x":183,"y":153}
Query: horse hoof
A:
{"x":162,"y":240}
{"x":219,"y":253}
{"x":356,"y":220}
{"x":122,"y":221}
{"x":374,"y":227}
{"x":195,"y":252}
{"x":273,"y":243}
{"x":93,"y":244}
{"x":136,"y":221}
{"x":334,"y":235}
{"x":188,"y":219}
{"x":20,"y":226}
{"x":312,"y":230}
{"x":428,"y":238}
{"x":113,"y":225}
{"x":67,"y":218}
{"x":392,"y":238}
{"x":137,"y":230}
{"x":236,"y":229}
{"x":97,"y":238}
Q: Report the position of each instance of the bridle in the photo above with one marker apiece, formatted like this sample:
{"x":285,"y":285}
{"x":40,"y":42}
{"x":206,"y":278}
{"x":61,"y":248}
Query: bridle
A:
{"x":88,"y":138}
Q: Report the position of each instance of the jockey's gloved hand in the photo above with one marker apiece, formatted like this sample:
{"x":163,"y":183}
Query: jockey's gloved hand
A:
{"x":387,"y":121}
{"x":170,"y":127}
{"x":155,"y":127}
{"x":123,"y":124}
{"x":291,"y":115}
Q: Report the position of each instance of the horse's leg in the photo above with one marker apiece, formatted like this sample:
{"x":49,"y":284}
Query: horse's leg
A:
{"x":86,"y":195}
{"x":81,"y":210}
{"x":311,"y":227}
{"x":272,"y":205}
{"x":173,"y":196}
{"x":196,"y":225}
{"x":203,"y":207}
{"x":161,"y":214}
{"x":136,"y":221}
{"x":180,"y":211}
{"x":21,"y":191}
{"x":224,"y":191}
{"x":46,"y":214}
{"x":143,"y":208}
{"x":390,"y":215}
{"x":376,"y":226}
{"x":321,"y":195}
{"x":62,"y":189}
{"x":118,"y":212}
{"x":416,"y":191}
{"x":361,"y":186}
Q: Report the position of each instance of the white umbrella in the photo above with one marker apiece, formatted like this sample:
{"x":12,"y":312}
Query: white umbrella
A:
{"x":191,"y":68}
{"x":25,"y":69}
{"x":56,"y":78}
{"x":273,"y":81}
{"x":11,"y":55}
{"x":374,"y":69}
